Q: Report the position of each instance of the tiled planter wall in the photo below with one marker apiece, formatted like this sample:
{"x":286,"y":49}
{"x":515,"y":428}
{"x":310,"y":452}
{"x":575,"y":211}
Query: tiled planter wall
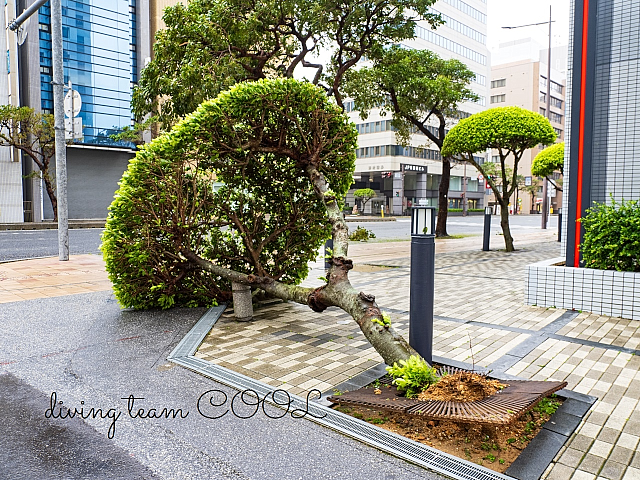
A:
{"x":605,"y":292}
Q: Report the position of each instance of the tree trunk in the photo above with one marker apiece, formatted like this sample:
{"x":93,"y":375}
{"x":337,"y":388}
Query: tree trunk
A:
{"x":337,"y":292}
{"x":51,"y":193}
{"x":504,"y":223}
{"x":443,"y":200}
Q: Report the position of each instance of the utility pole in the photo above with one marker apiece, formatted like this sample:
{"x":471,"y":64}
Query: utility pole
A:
{"x":58,"y":114}
{"x":545,"y":182}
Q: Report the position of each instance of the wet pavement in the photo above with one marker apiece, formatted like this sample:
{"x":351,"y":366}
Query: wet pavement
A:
{"x":86,"y":349}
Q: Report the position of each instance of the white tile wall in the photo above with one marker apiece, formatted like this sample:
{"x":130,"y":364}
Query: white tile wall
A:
{"x":605,"y":292}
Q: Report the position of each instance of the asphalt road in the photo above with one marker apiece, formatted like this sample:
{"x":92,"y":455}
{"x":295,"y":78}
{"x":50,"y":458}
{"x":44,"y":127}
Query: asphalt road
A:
{"x":23,"y":244}
{"x":473,"y":225}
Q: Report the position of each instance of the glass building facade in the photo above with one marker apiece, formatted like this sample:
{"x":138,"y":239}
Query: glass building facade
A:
{"x":99,"y":59}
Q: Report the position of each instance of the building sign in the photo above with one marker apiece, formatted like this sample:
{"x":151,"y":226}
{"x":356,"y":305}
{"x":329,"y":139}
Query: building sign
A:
{"x":527,"y":181}
{"x":413,"y":168}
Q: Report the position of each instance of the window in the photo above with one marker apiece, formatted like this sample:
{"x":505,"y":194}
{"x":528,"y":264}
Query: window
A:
{"x":498,"y":83}
{"x":495,"y":159}
{"x":558,"y":132}
{"x":482,"y":101}
{"x":556,"y":117}
{"x":556,"y":102}
{"x":498,"y":98}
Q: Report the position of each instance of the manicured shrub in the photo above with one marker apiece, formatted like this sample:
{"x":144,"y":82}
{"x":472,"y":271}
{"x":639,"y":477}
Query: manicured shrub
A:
{"x":612,"y":236}
{"x":361,"y":234}
{"x":263,"y":217}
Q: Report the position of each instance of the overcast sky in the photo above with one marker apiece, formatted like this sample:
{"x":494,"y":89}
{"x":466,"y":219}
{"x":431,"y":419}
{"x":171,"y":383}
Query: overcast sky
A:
{"x":503,"y":13}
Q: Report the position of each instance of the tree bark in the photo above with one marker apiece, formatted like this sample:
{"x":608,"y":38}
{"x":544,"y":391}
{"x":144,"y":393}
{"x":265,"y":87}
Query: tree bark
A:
{"x":51,"y":193}
{"x":504,"y":223}
{"x":337,"y":292}
{"x":443,"y":200}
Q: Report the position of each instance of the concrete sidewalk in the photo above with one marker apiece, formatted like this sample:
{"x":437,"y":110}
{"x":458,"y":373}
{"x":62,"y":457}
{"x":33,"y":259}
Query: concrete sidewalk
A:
{"x":92,"y":348}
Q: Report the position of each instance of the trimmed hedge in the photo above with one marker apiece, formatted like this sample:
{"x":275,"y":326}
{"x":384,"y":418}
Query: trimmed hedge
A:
{"x":264,"y":218}
{"x":612,"y":236}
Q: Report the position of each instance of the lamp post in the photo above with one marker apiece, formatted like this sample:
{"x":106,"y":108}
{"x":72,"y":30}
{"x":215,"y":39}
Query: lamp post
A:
{"x":423,"y":256}
{"x":487,"y":228}
{"x":545,"y":183}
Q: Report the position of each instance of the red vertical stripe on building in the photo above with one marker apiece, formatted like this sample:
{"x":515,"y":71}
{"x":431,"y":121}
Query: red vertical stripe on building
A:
{"x":583,"y":93}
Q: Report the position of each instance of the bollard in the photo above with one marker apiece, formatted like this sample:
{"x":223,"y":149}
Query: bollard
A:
{"x":242,"y":302}
{"x":559,"y":224}
{"x":487,"y":229}
{"x":422,"y":281}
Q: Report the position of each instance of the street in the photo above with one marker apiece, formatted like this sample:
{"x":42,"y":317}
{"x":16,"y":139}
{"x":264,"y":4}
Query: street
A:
{"x":23,"y":244}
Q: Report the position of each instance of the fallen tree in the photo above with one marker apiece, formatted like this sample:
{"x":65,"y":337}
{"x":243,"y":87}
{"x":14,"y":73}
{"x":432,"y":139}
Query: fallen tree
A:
{"x":284,"y":155}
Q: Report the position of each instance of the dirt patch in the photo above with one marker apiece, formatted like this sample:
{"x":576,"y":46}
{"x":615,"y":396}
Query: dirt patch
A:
{"x":462,"y":387}
{"x":494,"y":446}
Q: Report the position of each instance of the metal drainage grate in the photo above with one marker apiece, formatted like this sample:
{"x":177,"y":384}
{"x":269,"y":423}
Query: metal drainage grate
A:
{"x":386,"y":441}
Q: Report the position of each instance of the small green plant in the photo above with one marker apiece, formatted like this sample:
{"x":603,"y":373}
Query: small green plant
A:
{"x":467,"y":452}
{"x":510,"y":441}
{"x":501,"y":461}
{"x":413,"y":375}
{"x":547,"y":405}
{"x":529,"y":427}
{"x":376,"y":421}
{"x":490,"y":457}
{"x":361,"y":234}
{"x":385,"y":322}
{"x":612,"y":236}
{"x":358,"y":415}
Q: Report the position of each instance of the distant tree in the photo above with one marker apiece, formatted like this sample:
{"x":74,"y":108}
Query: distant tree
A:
{"x":549,"y":160}
{"x":209,"y":45}
{"x":33,"y":134}
{"x":365,"y":194}
{"x":511,"y":131}
{"x":417,"y":87}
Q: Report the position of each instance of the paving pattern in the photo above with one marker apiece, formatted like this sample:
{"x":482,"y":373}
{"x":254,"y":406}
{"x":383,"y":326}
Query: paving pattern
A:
{"x":49,"y":277}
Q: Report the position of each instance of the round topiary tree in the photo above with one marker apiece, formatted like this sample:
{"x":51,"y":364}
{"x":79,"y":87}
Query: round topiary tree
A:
{"x":283,"y":156}
{"x":509,"y":130}
{"x":549,"y":160}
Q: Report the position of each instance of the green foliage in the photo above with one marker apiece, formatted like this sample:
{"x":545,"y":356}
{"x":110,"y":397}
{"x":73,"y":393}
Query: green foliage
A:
{"x":612,"y":236}
{"x":417,"y":84}
{"x":365,"y":193}
{"x":510,"y":129}
{"x":549,"y":160}
{"x":385,"y":322}
{"x":33,"y":134}
{"x":413,"y":375}
{"x":361,"y":234}
{"x":208,"y":45}
{"x":265,"y":219}
{"x":548,"y":405}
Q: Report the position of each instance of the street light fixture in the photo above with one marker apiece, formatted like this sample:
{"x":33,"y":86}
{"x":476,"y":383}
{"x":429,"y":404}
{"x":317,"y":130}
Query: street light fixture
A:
{"x":545,"y":183}
{"x":422,"y":280}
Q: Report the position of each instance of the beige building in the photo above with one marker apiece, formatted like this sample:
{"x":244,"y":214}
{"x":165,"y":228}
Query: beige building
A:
{"x":523,"y":83}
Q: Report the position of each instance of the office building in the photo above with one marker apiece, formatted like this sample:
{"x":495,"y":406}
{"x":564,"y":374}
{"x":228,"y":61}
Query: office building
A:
{"x":102,"y":62}
{"x":405,"y":176}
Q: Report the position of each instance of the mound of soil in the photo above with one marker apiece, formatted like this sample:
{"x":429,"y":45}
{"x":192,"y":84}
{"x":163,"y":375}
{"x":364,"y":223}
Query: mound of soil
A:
{"x":462,"y":387}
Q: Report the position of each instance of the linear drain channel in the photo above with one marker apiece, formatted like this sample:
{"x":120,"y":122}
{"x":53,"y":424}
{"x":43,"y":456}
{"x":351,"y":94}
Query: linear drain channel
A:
{"x":384,"y":440}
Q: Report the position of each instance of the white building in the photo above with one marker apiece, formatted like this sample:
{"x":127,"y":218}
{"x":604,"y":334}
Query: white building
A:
{"x":408,"y":176}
